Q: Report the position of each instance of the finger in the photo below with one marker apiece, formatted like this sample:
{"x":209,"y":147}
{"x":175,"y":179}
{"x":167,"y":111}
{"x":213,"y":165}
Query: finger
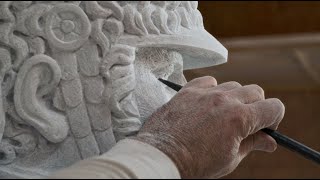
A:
{"x":247,"y":94}
{"x":259,"y":141}
{"x":265,"y":114}
{"x":202,"y":82}
{"x":227,"y":86}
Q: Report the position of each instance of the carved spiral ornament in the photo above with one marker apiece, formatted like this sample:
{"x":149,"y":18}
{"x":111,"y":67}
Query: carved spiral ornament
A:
{"x":67,"y":27}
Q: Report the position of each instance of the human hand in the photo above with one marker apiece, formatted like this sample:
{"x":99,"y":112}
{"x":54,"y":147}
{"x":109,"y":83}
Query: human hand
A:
{"x":207,"y":129}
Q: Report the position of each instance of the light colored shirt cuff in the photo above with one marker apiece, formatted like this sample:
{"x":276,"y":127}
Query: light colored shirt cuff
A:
{"x":127,"y":159}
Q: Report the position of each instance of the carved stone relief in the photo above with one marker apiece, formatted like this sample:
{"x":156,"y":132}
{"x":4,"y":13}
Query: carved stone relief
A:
{"x":78,"y":76}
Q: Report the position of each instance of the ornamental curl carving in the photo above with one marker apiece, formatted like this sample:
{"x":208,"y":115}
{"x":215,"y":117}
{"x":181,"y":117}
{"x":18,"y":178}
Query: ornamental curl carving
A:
{"x":118,"y":69}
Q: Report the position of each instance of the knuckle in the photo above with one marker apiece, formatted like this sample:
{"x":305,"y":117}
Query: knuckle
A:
{"x":211,"y":79}
{"x":279,"y":102}
{"x":251,"y":113}
{"x":186,"y":91}
{"x":258,"y":89}
{"x":235,"y":84}
{"x":194,"y":80}
{"x":189,"y":92}
{"x":280,"y":108}
{"x":220,"y":98}
{"x":241,"y":116}
{"x":208,"y":78}
{"x":203,"y":78}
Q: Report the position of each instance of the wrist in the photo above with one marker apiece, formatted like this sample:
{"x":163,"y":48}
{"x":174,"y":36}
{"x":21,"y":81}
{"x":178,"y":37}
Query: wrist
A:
{"x":174,"y":149}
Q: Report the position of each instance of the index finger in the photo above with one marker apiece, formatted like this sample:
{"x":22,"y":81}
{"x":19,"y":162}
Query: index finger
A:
{"x":202,"y":82}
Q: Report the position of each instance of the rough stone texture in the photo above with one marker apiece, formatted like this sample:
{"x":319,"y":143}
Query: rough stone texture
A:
{"x":77,"y":76}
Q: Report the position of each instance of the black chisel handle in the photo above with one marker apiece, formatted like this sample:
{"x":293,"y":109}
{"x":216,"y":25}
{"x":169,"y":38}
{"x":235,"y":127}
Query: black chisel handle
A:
{"x":293,"y":145}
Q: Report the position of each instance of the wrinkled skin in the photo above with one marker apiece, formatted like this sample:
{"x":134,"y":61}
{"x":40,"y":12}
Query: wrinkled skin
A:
{"x":207,"y":129}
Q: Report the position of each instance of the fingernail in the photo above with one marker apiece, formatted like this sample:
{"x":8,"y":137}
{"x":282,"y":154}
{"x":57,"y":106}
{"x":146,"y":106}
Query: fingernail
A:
{"x":271,"y":147}
{"x":267,"y":147}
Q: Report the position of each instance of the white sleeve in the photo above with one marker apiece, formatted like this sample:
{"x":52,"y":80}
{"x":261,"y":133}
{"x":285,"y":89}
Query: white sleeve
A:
{"x":127,"y":159}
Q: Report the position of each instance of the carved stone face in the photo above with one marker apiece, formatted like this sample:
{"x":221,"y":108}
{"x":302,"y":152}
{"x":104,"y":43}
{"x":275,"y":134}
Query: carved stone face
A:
{"x":78,"y":76}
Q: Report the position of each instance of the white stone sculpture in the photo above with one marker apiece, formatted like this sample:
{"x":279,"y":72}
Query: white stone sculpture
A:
{"x":78,"y":76}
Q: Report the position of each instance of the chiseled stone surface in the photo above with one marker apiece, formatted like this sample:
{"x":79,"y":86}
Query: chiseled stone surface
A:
{"x":77,"y":76}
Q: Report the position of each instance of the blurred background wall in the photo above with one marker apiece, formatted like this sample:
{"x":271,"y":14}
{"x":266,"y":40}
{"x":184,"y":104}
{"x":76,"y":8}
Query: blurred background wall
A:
{"x":276,"y":45}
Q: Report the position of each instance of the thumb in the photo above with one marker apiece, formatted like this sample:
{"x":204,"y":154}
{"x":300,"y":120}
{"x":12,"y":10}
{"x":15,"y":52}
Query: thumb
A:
{"x":259,"y":141}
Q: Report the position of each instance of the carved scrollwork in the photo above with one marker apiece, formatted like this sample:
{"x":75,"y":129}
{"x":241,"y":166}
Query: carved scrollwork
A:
{"x":117,"y":11}
{"x":7,"y":36}
{"x":133,"y":21}
{"x":95,"y":11}
{"x":152,"y":17}
{"x":118,"y":69}
{"x":175,"y":20}
{"x":146,"y":11}
{"x":106,"y":32}
{"x":28,"y":20}
{"x":67,"y":27}
{"x":36,"y":78}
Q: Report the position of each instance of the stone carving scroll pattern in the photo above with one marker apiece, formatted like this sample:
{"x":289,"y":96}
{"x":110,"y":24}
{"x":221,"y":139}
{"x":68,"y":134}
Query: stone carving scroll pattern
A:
{"x":118,"y":69}
{"x":151,"y":17}
{"x":16,"y":138}
{"x":77,"y":37}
